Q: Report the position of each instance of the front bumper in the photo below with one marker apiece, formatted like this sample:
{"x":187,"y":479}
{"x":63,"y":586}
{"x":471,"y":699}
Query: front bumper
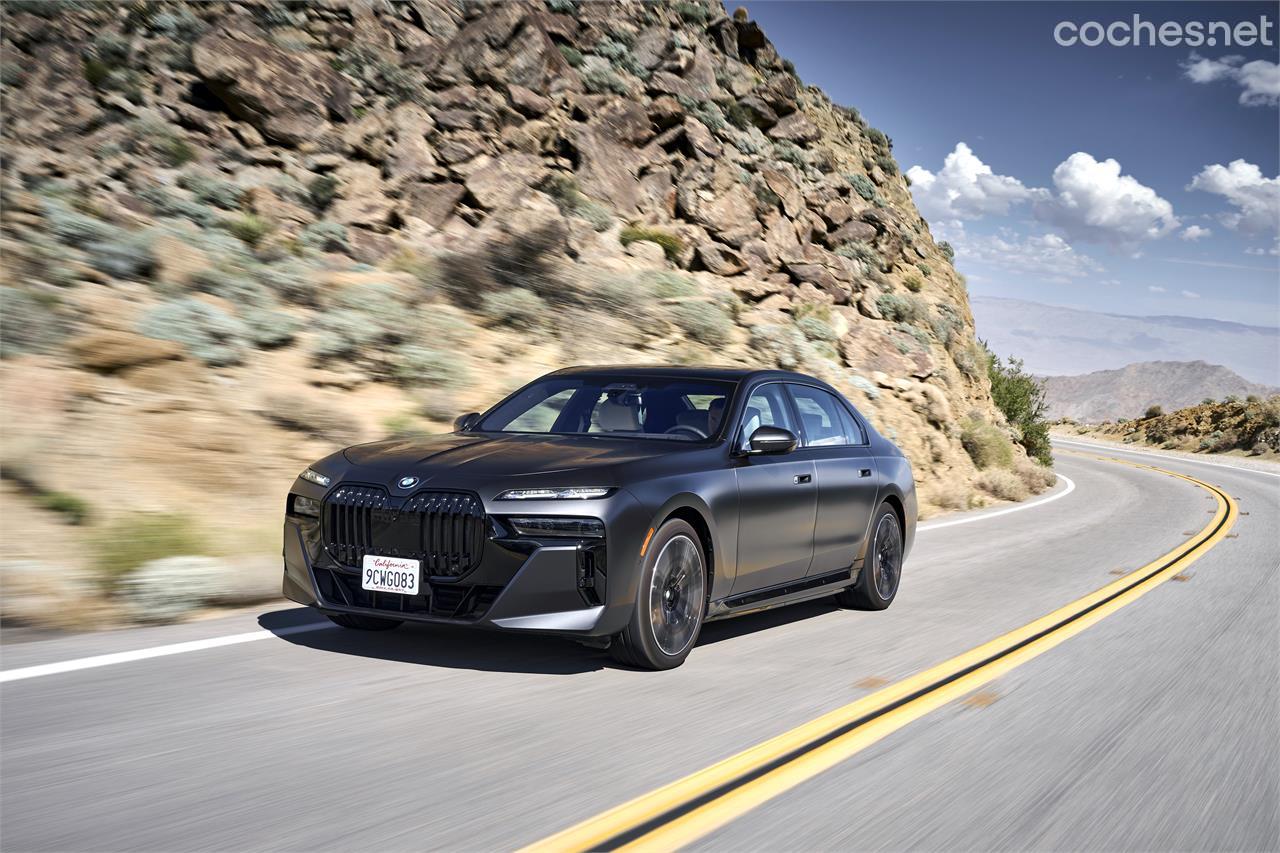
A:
{"x":518,"y":584}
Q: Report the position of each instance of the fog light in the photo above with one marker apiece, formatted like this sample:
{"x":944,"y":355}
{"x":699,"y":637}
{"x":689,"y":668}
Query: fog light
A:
{"x":578,"y":528}
{"x":306,"y":506}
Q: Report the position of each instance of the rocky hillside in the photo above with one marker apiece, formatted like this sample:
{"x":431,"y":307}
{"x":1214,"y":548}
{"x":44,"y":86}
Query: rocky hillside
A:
{"x":239,"y":234}
{"x":1128,"y":392}
{"x":1248,"y":426}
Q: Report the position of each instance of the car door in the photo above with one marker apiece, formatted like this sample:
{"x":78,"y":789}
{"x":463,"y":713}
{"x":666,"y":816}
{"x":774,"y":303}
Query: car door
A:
{"x":777,"y":498}
{"x":845,"y":472}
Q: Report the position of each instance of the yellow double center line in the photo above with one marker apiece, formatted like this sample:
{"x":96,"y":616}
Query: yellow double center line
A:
{"x":690,"y":808}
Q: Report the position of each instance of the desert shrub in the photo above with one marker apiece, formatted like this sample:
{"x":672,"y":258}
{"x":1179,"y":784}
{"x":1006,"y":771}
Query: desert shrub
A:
{"x":211,"y":190}
{"x":1034,"y":476}
{"x":571,"y":55}
{"x":866,"y":256}
{"x":321,"y":191}
{"x":467,"y":278}
{"x":620,"y":56}
{"x":127,"y":256}
{"x":325,"y":237}
{"x":877,"y":137}
{"x":919,"y":335}
{"x":670,"y":243}
{"x":417,"y":365}
{"x":1253,"y":398}
{"x":1207,"y":401}
{"x":664,"y":284}
{"x":703,"y":322}
{"x":564,"y":191}
{"x":862,"y":186}
{"x":887,"y":164}
{"x":986,"y":444}
{"x":515,"y":307}
{"x":527,"y":259}
{"x":694,"y":13}
{"x":602,"y":80}
{"x":73,"y":508}
{"x":816,"y":328}
{"x":913,"y":282}
{"x":925,"y":270}
{"x":785,"y":345}
{"x":790,"y":67}
{"x":131,"y":541}
{"x":248,"y":227}
{"x":738,"y":115}
{"x":613,"y":292}
{"x":945,"y":323}
{"x":1153,"y":412}
{"x":1002,"y":484}
{"x":165,"y":203}
{"x":751,"y":141}
{"x":75,"y":228}
{"x":26,"y":324}
{"x":947,"y":252}
{"x":1231,"y":398}
{"x":970,"y":357}
{"x":789,"y":152}
{"x":563,"y":7}
{"x":898,"y":308}
{"x":290,"y":281}
{"x":1020,"y":396}
{"x":210,"y":334}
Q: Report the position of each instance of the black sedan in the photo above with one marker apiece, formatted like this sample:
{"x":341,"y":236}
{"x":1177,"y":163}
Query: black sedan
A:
{"x":620,"y":506}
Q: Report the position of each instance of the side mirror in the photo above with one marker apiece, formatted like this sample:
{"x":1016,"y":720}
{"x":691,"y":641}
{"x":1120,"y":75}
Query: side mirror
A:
{"x":772,"y":439}
{"x":462,"y":423}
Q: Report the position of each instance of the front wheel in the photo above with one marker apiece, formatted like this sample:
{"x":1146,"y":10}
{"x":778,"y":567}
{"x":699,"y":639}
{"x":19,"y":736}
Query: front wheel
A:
{"x":877,"y":583}
{"x":364,"y":623}
{"x":670,"y":602}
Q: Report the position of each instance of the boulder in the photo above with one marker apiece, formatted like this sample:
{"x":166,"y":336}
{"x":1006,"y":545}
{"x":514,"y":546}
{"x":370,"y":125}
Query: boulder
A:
{"x":729,"y":213}
{"x":762,"y":115}
{"x":624,"y":121}
{"x":784,"y":188}
{"x":606,"y":169}
{"x":700,"y":138}
{"x":720,"y":259}
{"x":795,"y":128}
{"x":433,"y":203}
{"x":528,"y":102}
{"x":411,"y":157}
{"x":501,"y":180}
{"x":286,"y":95}
{"x":362,"y":199}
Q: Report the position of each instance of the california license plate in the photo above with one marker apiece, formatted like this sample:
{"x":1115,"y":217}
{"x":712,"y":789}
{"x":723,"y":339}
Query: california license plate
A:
{"x":390,"y":574}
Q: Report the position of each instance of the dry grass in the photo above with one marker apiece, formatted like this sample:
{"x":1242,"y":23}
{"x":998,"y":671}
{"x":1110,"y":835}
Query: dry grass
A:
{"x":1003,"y":484}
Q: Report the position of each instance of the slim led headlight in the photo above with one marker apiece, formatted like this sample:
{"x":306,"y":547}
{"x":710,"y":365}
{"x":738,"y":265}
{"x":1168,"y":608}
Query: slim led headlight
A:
{"x":316,"y":477}
{"x":577,"y":528}
{"x":569,"y":493}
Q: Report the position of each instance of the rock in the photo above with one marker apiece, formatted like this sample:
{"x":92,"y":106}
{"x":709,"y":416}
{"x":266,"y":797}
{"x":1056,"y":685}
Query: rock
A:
{"x":795,"y":128}
{"x":867,"y":306}
{"x":411,"y":157}
{"x":607,"y":170}
{"x":528,"y":102}
{"x":837,"y":213}
{"x":461,"y":146}
{"x":268,"y":205}
{"x":362,"y":199}
{"x":823,"y":269}
{"x":784,"y":188}
{"x":177,"y":260}
{"x":730,"y":213}
{"x":650,"y":253}
{"x":721,"y":260}
{"x":433,"y":203}
{"x":500,"y":181}
{"x":623,"y":121}
{"x":757,"y":288}
{"x":853,"y":231}
{"x":657,"y":193}
{"x":665,"y":112}
{"x":168,"y":589}
{"x":459,"y":120}
{"x":286,"y":95}
{"x":651,"y":47}
{"x":781,"y":93}
{"x":110,"y":350}
{"x":762,"y":115}
{"x":700,"y":138}
{"x":882,"y":379}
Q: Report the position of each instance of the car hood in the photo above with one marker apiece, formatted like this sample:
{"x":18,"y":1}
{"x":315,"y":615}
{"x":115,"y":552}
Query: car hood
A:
{"x":481,"y":456}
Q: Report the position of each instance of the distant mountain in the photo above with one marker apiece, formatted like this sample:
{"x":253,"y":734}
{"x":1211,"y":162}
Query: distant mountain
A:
{"x":1055,"y":340}
{"x":1108,"y":395}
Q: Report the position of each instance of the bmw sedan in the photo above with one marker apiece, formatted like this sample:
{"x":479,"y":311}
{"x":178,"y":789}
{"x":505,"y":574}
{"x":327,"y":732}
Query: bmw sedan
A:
{"x":619,"y":506}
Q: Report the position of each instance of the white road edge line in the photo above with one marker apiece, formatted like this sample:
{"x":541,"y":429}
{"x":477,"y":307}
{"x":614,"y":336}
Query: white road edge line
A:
{"x":1103,"y":447}
{"x":938,"y":525}
{"x":154,"y":652}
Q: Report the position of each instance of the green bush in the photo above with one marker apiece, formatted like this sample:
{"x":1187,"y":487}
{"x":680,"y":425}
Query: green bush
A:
{"x":1020,"y":396}
{"x":602,"y":80}
{"x":789,"y":152}
{"x":694,"y":13}
{"x":945,"y":323}
{"x":816,"y":328}
{"x":878,"y":138}
{"x":913,"y":282}
{"x":564,"y":191}
{"x":322,"y":190}
{"x":986,"y":445}
{"x":1207,"y":401}
{"x":670,"y":243}
{"x":518,"y":308}
{"x":210,"y":334}
{"x":1153,"y":412}
{"x":129,"y":256}
{"x":134,"y":540}
{"x":571,"y":55}
{"x":901,"y":309}
{"x":1253,"y":398}
{"x":862,"y":186}
{"x":211,"y":190}
{"x":664,"y":284}
{"x":74,"y":508}
{"x":325,"y":237}
{"x":887,"y":164}
{"x":947,"y":252}
{"x":703,"y":322}
{"x":418,"y":365}
{"x":866,"y":256}
{"x":290,"y":281}
{"x":1003,"y":484}
{"x":248,"y":227}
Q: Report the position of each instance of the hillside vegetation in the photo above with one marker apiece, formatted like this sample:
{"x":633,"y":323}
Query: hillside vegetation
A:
{"x":1108,"y":395}
{"x":237,"y":235}
{"x":1250,"y":426}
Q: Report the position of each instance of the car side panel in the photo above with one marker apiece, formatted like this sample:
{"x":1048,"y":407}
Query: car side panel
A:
{"x":846,"y":500}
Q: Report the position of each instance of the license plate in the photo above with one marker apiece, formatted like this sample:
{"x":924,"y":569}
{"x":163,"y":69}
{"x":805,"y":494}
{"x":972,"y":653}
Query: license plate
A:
{"x":390,"y":574}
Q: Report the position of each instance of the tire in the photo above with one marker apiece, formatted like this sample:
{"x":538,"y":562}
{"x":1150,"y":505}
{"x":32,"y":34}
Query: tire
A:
{"x":671,"y":601}
{"x":364,"y":623}
{"x":878,"y":582}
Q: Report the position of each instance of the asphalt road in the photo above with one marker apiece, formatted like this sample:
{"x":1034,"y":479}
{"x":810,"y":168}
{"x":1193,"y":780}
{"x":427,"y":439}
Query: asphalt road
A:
{"x":1155,"y":728}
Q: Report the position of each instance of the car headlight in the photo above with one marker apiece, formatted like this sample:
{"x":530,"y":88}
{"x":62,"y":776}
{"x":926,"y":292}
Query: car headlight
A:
{"x":578,"y":528}
{"x":312,"y":476}
{"x":303,"y":505}
{"x":571,"y":493}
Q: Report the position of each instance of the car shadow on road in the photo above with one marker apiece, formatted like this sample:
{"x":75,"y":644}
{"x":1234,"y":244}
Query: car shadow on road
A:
{"x":495,"y":651}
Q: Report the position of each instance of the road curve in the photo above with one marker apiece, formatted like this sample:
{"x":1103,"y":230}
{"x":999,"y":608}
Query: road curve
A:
{"x":1152,"y":729}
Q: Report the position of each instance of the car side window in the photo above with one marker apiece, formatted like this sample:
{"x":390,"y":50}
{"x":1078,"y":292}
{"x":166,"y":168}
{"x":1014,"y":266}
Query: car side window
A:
{"x":824,"y":419}
{"x":767,"y":406}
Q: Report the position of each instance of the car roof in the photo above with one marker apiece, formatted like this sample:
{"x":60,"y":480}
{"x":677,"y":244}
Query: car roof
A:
{"x":684,"y":371}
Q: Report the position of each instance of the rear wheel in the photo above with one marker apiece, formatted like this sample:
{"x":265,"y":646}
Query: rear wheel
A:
{"x":670,"y":602}
{"x":364,"y":623}
{"x":877,"y":583}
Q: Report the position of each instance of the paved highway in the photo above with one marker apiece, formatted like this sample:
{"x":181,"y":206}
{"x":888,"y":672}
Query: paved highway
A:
{"x":1149,"y":722}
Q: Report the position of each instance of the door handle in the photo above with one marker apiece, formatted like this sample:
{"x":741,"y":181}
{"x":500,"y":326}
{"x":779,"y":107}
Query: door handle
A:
{"x":865,"y":472}
{"x":801,"y":479}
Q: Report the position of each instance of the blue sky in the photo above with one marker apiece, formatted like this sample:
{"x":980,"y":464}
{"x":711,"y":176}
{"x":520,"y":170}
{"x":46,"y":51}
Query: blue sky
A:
{"x":1032,"y":204}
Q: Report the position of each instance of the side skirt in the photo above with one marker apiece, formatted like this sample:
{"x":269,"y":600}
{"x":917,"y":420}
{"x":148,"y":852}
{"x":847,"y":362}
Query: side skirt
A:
{"x":790,"y":592}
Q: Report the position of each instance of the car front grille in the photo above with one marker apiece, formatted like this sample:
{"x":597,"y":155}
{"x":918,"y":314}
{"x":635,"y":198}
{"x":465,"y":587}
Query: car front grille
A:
{"x":446,"y":531}
{"x":447,"y":600}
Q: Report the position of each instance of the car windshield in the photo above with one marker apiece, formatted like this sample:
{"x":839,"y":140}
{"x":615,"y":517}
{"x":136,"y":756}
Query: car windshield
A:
{"x":617,"y":406}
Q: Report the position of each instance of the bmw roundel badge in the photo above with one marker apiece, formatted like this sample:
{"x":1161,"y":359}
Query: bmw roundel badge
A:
{"x":407,"y":482}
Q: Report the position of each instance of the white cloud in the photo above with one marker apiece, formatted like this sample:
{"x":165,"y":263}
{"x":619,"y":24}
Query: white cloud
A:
{"x":1155,"y":288}
{"x":1273,"y":251}
{"x":1190,"y":294}
{"x":1255,"y":196}
{"x":1259,"y":80}
{"x":965,"y":188}
{"x":1195,"y":232}
{"x":1096,"y":203}
{"x":1046,"y":256}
